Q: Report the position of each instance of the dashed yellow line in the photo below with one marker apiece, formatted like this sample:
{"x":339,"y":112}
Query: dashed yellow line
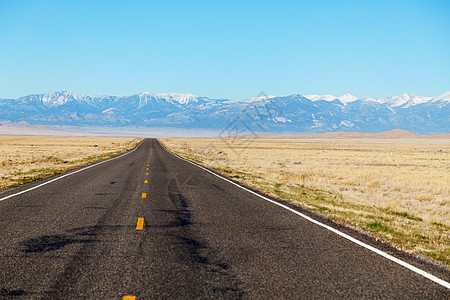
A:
{"x":146,"y":173}
{"x":144,"y":195}
{"x":140,"y":224}
{"x":147,"y":169}
{"x":146,"y":181}
{"x":128,"y":297}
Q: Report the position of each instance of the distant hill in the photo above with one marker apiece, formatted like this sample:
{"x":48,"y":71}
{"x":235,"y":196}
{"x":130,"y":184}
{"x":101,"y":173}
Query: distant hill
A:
{"x":296,"y":114}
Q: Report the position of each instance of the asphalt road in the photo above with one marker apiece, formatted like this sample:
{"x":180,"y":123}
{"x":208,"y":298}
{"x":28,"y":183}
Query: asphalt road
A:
{"x":80,"y":237}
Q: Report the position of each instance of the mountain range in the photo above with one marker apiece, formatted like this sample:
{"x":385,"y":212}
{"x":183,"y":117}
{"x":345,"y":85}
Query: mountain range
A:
{"x":272,"y":114}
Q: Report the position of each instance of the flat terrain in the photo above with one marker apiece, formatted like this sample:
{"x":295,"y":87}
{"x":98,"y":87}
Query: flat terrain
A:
{"x":180,"y":232}
{"x":28,"y":158}
{"x":397,"y":191}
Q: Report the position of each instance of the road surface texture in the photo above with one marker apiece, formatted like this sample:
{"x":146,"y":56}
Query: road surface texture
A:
{"x":153,"y":226}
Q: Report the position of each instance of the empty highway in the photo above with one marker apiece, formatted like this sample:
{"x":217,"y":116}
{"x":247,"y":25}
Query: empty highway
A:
{"x":150,"y":225}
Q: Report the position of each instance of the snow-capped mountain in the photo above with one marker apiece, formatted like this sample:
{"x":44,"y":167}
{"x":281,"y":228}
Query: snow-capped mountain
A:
{"x":56,"y":98}
{"x":405,"y":100}
{"x":289,"y":114}
{"x":445,"y":97}
{"x":180,"y":98}
{"x":320,"y":97}
{"x":347,"y":98}
{"x":344,"y":99}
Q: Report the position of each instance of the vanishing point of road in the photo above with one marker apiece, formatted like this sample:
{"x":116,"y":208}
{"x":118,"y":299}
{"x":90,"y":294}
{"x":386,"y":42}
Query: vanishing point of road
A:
{"x":149,"y":225}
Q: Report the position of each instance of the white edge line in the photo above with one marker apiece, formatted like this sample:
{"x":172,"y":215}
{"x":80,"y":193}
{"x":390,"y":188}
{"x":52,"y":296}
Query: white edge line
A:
{"x":65,"y":175}
{"x":346,"y":236}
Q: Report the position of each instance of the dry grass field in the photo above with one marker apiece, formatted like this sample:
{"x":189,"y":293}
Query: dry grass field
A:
{"x":28,"y":158}
{"x":396,"y":191}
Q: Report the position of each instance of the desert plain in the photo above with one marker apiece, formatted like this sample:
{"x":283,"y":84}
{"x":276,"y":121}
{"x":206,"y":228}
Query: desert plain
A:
{"x":394,"y":190}
{"x":25,"y":159}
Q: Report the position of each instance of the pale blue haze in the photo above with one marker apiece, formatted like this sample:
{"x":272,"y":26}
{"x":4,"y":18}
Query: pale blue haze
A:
{"x":225,"y":49}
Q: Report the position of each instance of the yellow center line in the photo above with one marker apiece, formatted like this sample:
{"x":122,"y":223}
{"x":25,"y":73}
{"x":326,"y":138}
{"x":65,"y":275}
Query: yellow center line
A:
{"x":147,"y":169}
{"x":151,"y":151}
{"x":144,"y":195}
{"x":146,"y":181}
{"x":140,"y":224}
{"x":128,"y":297}
{"x":146,"y":173}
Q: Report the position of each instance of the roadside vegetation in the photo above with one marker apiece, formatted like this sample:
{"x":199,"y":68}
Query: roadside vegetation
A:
{"x":25,"y":159}
{"x":398,"y":192}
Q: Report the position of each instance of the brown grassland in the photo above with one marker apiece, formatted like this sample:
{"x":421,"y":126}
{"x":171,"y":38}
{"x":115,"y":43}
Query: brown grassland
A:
{"x":395,"y":191}
{"x":28,"y":158}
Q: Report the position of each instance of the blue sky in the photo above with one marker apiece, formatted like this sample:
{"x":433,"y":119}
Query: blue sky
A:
{"x":228,"y":49}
